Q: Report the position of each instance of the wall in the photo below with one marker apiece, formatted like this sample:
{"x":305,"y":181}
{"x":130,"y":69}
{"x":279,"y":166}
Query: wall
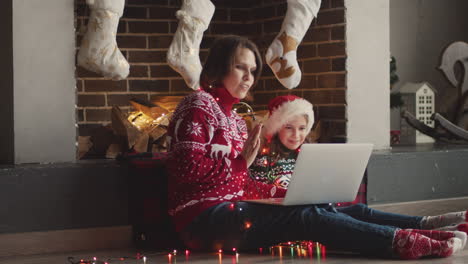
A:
{"x":44,"y":85}
{"x":419,"y":32}
{"x":145,"y":33}
{"x":367,"y":27}
{"x":6,"y":83}
{"x":415,"y":174}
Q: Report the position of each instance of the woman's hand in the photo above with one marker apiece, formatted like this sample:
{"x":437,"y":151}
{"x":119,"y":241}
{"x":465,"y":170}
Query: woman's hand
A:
{"x":252,"y":144}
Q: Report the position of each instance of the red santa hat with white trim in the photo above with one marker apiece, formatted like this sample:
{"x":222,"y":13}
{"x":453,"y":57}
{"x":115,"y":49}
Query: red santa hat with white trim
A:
{"x":283,"y":108}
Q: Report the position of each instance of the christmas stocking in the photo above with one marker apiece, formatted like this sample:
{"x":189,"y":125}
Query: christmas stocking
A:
{"x":281,"y":56}
{"x":99,"y":52}
{"x":183,"y":55}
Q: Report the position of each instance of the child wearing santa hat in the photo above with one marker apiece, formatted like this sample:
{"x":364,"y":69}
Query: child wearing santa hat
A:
{"x":287,"y":125}
{"x":289,"y":121}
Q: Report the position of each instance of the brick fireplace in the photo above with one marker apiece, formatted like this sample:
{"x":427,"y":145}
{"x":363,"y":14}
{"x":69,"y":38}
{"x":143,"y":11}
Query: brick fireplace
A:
{"x":145,"y":33}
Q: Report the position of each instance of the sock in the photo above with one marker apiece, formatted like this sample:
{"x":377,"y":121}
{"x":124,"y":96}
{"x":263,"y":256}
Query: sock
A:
{"x":434,"y":234}
{"x":281,"y":55}
{"x":183,"y":54}
{"x":99,"y":52}
{"x":432,"y":222}
{"x":411,"y":245}
{"x":461,"y":227}
{"x":441,"y":235}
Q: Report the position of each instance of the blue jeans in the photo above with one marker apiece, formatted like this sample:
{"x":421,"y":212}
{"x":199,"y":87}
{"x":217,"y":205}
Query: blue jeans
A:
{"x":250,"y":226}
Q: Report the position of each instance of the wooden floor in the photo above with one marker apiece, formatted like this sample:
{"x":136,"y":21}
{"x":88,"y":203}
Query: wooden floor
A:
{"x":129,"y":257}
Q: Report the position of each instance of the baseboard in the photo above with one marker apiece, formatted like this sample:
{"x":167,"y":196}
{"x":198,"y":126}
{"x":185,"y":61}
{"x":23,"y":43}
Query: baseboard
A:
{"x":425,"y":207}
{"x":31,"y":243}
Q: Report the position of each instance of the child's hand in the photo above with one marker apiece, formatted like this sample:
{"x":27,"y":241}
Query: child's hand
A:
{"x":252,"y":144}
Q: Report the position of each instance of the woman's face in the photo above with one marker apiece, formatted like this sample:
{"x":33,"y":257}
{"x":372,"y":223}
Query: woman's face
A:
{"x":241,"y":78}
{"x":293,"y":133}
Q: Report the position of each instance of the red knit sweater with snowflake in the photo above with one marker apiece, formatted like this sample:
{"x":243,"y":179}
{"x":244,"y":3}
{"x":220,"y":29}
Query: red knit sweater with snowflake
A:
{"x":205,"y":166}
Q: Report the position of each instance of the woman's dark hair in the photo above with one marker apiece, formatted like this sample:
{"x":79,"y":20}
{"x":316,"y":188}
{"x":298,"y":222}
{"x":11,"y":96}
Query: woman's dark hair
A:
{"x":221,"y":59}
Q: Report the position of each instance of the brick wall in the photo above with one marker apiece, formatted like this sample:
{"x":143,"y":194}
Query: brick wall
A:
{"x":145,"y":33}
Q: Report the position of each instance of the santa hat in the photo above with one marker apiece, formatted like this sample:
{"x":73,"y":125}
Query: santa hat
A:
{"x":283,"y":108}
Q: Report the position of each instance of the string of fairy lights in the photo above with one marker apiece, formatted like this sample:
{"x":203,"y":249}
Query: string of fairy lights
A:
{"x":298,"y":249}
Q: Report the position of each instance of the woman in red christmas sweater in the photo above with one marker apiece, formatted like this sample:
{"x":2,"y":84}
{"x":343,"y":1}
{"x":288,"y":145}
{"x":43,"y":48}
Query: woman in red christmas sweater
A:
{"x":210,"y":153}
{"x":209,"y":147}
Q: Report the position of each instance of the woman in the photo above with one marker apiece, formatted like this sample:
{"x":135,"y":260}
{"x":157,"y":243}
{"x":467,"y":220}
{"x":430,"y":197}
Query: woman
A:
{"x":208,"y":163}
{"x":209,"y":148}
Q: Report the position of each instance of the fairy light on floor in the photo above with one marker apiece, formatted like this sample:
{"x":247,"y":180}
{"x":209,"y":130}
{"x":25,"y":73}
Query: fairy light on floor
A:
{"x":297,"y":249}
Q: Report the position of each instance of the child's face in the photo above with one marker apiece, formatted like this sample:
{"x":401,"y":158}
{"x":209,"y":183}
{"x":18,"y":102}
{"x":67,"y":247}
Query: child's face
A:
{"x":241,"y":77}
{"x":293,"y":133}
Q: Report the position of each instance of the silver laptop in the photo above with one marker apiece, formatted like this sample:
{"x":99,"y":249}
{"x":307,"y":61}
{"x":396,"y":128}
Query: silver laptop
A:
{"x":325,"y":173}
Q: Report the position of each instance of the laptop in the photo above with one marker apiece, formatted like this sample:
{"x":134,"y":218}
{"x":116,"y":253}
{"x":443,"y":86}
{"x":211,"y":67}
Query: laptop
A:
{"x":325,"y":173}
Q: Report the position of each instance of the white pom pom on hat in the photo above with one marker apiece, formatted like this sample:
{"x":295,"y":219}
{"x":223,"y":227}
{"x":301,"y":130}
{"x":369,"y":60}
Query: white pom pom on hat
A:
{"x":282,"y":108}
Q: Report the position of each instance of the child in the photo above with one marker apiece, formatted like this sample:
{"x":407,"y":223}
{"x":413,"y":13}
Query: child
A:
{"x":289,"y":121}
{"x":285,"y":131}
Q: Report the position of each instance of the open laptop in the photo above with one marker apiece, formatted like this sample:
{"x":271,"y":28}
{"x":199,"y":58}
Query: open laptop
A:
{"x":325,"y":173}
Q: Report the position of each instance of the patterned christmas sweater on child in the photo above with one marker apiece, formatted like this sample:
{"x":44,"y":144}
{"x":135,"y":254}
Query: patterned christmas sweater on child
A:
{"x":205,"y":166}
{"x":278,"y":172}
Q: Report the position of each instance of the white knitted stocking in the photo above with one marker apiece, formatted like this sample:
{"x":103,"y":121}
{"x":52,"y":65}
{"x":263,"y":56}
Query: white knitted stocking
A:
{"x":99,"y":52}
{"x":183,"y":54}
{"x":281,"y":56}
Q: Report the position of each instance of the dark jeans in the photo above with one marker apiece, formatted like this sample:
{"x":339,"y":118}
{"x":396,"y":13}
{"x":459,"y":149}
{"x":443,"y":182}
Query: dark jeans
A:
{"x":250,"y":226}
